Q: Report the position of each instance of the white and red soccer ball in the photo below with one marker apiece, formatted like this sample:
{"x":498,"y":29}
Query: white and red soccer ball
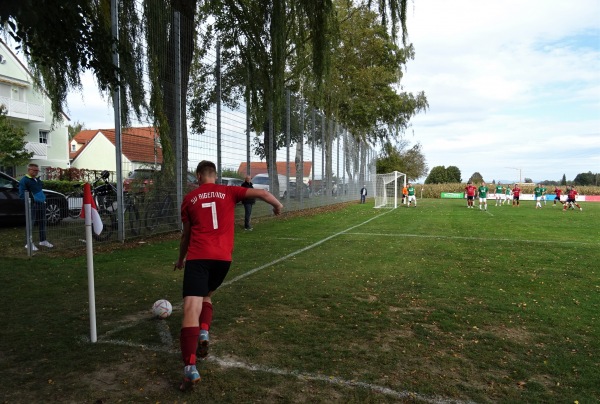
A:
{"x":162,"y":308}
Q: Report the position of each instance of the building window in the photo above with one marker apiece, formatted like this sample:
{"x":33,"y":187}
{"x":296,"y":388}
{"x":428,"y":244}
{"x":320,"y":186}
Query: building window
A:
{"x":73,"y":147}
{"x":45,"y":137}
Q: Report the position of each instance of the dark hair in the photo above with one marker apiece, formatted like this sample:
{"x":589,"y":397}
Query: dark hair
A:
{"x":206,"y":167}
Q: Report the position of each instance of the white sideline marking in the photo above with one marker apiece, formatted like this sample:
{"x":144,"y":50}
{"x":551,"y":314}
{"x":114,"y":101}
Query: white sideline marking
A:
{"x":167,"y":342}
{"x":472,"y":238}
{"x":229,"y":363}
{"x":290,"y":255}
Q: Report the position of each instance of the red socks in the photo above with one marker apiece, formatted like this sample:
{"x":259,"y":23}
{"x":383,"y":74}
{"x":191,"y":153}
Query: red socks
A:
{"x":206,"y":316}
{"x":188,"y":340}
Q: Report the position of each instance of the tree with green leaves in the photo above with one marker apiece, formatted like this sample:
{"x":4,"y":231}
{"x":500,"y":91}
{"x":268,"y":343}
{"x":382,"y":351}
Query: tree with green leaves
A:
{"x":443,"y":175}
{"x":437,"y":175}
{"x":563,"y":181}
{"x":453,"y":174}
{"x":74,"y":129}
{"x":476,"y":177}
{"x":585,"y":179}
{"x":410,"y":161}
{"x":12,"y":143}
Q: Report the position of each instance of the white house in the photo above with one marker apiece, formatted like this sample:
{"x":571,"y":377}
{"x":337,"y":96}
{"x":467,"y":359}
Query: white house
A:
{"x":95,"y":149}
{"x":30,"y":109}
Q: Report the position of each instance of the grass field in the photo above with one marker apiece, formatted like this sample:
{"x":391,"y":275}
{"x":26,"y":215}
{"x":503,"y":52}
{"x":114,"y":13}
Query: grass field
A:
{"x":435,"y":304}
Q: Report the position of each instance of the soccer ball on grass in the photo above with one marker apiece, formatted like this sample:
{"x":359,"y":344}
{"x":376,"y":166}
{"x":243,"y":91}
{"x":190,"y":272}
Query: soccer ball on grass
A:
{"x":162,"y":308}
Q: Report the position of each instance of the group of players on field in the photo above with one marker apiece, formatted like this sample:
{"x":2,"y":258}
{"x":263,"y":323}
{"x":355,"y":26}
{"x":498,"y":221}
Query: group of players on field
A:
{"x":505,"y":195}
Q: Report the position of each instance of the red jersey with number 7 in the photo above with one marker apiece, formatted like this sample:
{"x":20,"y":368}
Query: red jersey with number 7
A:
{"x":210,"y":211}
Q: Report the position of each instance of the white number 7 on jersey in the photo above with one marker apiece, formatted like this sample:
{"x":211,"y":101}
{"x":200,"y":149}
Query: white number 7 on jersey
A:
{"x":213,"y":208}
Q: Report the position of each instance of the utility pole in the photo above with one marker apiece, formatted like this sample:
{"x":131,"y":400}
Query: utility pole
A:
{"x":520,"y":172}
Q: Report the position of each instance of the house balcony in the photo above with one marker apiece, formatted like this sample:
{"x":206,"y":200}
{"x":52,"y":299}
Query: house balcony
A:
{"x":23,"y":110}
{"x":39,"y":150}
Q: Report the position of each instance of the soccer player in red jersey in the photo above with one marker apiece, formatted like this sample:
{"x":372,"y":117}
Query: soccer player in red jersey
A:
{"x":208,"y":216}
{"x":470,"y":189}
{"x":557,"y":192}
{"x":572,"y":194}
{"x":516,"y":193}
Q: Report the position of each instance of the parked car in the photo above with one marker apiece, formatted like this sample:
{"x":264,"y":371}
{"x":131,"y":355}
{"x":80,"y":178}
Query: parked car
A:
{"x":293,"y":190}
{"x":140,"y":180}
{"x":12,"y":208}
{"x":230,"y":181}
{"x":262,"y":181}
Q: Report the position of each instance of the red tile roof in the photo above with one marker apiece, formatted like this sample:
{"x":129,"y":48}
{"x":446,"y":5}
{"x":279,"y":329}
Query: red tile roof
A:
{"x":138,"y":144}
{"x":261,"y":168}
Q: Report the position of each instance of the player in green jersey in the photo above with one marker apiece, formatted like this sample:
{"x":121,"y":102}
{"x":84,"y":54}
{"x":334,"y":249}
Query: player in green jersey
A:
{"x":411,"y":195}
{"x":538,"y":193}
{"x":507,"y":195}
{"x":499,"y":194}
{"x":482,"y":191}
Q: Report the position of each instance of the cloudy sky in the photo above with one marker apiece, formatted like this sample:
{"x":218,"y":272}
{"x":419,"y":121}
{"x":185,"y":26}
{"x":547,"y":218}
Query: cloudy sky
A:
{"x":513,"y":87}
{"x":510,"y":84}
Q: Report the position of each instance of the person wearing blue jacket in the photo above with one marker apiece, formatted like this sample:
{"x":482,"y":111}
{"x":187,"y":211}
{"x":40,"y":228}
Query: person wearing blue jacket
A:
{"x":30,"y":182}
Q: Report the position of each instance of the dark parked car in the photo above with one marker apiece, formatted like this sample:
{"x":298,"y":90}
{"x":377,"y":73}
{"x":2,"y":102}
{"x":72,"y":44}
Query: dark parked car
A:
{"x":12,"y":208}
{"x":293,"y":189}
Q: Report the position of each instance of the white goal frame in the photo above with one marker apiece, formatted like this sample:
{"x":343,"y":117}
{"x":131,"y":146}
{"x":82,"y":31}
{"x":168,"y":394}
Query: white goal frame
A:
{"x":387,"y":189}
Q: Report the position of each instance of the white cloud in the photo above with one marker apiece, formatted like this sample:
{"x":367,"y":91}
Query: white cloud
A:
{"x":509,"y":83}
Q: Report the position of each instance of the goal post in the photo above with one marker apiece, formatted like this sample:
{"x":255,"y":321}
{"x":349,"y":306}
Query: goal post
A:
{"x":388,"y":188}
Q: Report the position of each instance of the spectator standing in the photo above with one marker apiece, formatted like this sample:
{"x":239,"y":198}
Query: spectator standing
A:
{"x":363,"y":194}
{"x":248,"y":204}
{"x":30,"y":182}
{"x":208,"y":216}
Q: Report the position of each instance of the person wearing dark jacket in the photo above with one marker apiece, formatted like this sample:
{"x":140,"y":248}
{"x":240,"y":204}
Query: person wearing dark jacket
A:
{"x":31,"y":183}
{"x":248,"y":203}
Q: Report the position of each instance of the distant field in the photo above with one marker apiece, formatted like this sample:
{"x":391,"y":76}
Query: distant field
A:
{"x":437,"y":304}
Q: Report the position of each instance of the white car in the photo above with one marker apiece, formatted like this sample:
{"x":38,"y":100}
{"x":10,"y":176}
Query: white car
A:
{"x":262,"y":181}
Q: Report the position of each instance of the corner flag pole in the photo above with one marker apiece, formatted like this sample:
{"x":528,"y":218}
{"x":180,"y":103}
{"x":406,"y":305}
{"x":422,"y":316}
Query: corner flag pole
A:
{"x":90,"y":271}
{"x":90,"y":215}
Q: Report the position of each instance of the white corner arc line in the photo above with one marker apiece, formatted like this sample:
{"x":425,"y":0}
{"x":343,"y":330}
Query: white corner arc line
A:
{"x":229,"y":363}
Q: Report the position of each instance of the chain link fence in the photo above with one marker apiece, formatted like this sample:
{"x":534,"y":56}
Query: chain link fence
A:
{"x":150,"y":165}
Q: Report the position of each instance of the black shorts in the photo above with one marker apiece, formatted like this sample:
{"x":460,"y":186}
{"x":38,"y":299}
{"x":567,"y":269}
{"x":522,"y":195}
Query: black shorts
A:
{"x":516,"y":198}
{"x":470,"y":197}
{"x":203,"y":276}
{"x":569,"y":200}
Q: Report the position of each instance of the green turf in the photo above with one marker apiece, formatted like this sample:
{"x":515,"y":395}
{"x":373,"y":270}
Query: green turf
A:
{"x":437,"y":302}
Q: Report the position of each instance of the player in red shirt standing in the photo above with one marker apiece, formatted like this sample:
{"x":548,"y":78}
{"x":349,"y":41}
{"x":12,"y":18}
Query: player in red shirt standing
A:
{"x":572,"y":194}
{"x":208,"y":216}
{"x":470,"y":189}
{"x":557,"y":192}
{"x":516,"y":194}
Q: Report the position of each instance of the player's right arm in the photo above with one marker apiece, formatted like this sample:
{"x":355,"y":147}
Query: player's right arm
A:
{"x":183,"y":244}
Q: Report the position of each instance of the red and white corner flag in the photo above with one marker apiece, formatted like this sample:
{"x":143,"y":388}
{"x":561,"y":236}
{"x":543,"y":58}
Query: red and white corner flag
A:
{"x":95,"y":216}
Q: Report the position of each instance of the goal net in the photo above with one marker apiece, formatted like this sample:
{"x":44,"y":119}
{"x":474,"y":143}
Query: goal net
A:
{"x":388,"y":189}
